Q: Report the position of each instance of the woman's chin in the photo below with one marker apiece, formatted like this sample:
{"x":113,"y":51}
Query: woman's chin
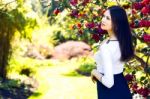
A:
{"x":103,"y":28}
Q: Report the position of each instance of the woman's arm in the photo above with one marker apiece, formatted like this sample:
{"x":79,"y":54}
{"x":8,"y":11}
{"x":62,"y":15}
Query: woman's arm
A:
{"x":95,"y":75}
{"x":107,"y":79}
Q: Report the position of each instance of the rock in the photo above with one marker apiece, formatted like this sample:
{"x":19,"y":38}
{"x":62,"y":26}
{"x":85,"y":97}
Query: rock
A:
{"x":39,"y":51}
{"x":71,"y":49}
{"x":46,"y":50}
{"x":33,"y":52}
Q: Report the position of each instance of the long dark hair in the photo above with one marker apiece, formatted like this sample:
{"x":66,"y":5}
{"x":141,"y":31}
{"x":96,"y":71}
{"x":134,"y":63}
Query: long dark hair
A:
{"x":122,"y":31}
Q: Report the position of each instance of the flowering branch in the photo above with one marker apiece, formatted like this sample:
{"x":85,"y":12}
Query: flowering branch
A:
{"x":143,"y":63}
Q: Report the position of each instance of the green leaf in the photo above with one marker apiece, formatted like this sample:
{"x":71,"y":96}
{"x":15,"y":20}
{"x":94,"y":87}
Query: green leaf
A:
{"x":142,"y":78}
{"x":148,"y":70}
{"x":133,"y":72}
{"x":145,"y":82}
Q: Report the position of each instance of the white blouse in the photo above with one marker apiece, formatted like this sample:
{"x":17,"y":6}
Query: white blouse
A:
{"x":108,"y":62}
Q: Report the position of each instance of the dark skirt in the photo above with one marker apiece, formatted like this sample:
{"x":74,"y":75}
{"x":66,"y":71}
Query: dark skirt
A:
{"x":119,"y":90}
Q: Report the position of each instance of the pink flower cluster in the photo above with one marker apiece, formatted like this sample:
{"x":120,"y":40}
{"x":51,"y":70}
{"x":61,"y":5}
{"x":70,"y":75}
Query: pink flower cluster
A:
{"x":90,"y":25}
{"x":146,"y":37}
{"x":140,"y":90}
{"x":74,"y":13}
{"x":75,"y":2}
{"x":144,"y":91}
{"x":144,"y":6}
{"x":129,"y":77}
{"x":96,"y":28}
{"x":138,"y":5}
{"x":99,"y":32}
{"x":96,"y":32}
{"x":140,"y":23}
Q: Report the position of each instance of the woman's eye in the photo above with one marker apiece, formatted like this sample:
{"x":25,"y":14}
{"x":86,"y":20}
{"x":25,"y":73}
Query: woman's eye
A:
{"x":103,"y":16}
{"x":107,"y":18}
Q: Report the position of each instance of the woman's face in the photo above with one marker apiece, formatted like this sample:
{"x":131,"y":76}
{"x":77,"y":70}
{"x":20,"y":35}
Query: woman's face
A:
{"x":106,"y":23}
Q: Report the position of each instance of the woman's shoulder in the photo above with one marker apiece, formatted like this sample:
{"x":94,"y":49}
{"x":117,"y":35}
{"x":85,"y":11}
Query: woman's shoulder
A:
{"x":106,"y":40}
{"x":104,"y":47}
{"x":103,"y":42}
{"x":109,"y":45}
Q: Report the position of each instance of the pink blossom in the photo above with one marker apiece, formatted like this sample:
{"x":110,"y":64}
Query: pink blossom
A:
{"x":96,"y":37}
{"x":145,"y":2}
{"x":129,"y":77}
{"x":145,"y":10}
{"x":74,"y":2}
{"x":134,"y":87}
{"x":146,"y":37}
{"x":143,"y":91}
{"x":137,"y":5}
{"x":90,"y":25}
{"x":85,"y":2}
{"x":74,"y":13}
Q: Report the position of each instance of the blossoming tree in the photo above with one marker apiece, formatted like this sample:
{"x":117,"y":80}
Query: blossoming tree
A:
{"x":86,"y":17}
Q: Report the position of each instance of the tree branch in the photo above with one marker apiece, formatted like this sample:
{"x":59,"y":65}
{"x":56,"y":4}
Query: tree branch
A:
{"x":147,"y":61}
{"x":133,"y":34}
{"x":143,"y":63}
{"x":8,"y":3}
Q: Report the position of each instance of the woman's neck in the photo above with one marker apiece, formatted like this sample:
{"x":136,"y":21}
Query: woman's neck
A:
{"x":112,"y":35}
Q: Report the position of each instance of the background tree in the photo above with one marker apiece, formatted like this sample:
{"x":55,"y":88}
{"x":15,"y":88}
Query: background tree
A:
{"x":12,"y":21}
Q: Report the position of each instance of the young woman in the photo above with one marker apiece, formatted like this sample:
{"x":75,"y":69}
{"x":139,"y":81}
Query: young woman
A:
{"x":112,"y":54}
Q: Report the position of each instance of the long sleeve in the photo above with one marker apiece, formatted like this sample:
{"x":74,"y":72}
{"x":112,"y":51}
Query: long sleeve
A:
{"x":108,"y":78}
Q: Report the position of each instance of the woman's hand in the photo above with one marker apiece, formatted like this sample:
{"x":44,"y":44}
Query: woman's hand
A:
{"x":93,"y":75}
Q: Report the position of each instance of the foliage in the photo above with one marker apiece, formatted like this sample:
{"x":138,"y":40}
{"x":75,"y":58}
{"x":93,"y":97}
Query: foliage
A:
{"x":26,"y":66}
{"x":13,"y":19}
{"x":86,"y":64}
{"x":138,"y":80}
{"x":10,"y":87}
{"x":25,"y":70}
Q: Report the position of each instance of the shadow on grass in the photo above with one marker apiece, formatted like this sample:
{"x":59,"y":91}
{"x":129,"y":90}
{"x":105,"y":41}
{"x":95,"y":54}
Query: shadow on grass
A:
{"x":14,"y":89}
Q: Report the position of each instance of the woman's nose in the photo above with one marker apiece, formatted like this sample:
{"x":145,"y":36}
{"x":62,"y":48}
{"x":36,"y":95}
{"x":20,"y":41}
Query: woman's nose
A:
{"x":103,"y":20}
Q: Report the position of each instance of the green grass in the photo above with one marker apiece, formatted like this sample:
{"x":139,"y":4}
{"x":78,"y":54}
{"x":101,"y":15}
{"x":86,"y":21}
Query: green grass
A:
{"x":56,"y":79}
{"x":54,"y":83}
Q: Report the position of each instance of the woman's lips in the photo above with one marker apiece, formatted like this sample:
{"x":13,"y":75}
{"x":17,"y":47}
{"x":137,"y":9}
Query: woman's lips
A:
{"x":102,"y":24}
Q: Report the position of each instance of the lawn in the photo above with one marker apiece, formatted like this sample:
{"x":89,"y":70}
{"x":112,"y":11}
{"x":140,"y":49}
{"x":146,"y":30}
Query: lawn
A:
{"x":54,"y":84}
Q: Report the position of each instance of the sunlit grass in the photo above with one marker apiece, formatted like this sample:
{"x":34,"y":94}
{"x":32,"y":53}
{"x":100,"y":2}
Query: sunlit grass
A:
{"x":55,"y":84}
